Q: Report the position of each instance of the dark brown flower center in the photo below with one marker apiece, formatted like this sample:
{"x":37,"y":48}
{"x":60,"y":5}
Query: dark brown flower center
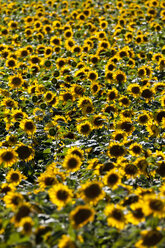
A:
{"x":7,"y":156}
{"x":62,"y":195}
{"x":92,"y":191}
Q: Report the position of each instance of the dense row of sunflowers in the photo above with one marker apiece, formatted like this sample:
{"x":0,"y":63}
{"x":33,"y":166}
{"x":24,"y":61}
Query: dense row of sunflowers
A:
{"x":82,"y":160}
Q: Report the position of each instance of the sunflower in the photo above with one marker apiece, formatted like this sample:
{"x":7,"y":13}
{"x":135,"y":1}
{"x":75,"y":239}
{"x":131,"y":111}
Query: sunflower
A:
{"x":46,"y":180}
{"x":135,"y":149}
{"x":112,"y":178}
{"x":136,"y":215}
{"x":60,"y":62}
{"x":18,"y":115}
{"x":68,"y":34}
{"x":14,"y":177}
{"x":130,"y":170}
{"x":81,"y":215}
{"x":5,"y":188}
{"x":13,"y":200}
{"x":84,"y":128}
{"x":143,"y":118}
{"x":142,"y":164}
{"x":55,"y":41}
{"x":72,"y":162}
{"x":98,"y":121}
{"x":116,"y":150}
{"x":28,"y":126}
{"x":25,"y":153}
{"x":115,"y":216}
{"x":65,"y":96}
{"x":160,"y":114}
{"x":60,"y":195}
{"x":149,"y":238}
{"x":76,"y":151}
{"x":155,"y":205}
{"x":11,"y":63}
{"x":23,"y":210}
{"x":92,"y":192}
{"x":15,"y":81}
{"x":119,"y":76}
{"x":95,"y":87}
{"x":85,"y":100}
{"x":66,"y":242}
{"x":8,"y":157}
{"x":124,"y":101}
{"x":87,"y":109}
{"x":112,"y":94}
{"x":26,"y":225}
{"x":126,"y":125}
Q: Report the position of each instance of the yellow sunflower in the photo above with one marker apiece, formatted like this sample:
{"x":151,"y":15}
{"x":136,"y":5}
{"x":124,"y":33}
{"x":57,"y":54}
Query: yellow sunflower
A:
{"x":8,"y":157}
{"x":81,"y":215}
{"x":28,"y":126}
{"x":72,"y":162}
{"x":60,"y":195}
{"x":66,"y":242}
{"x":92,"y":192}
{"x":14,"y":177}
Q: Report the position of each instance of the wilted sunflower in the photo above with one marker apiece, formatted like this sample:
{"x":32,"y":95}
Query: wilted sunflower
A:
{"x":8,"y":157}
{"x":72,"y":162}
{"x":115,"y":216}
{"x":14,"y":177}
{"x":60,"y":195}
{"x":92,"y":192}
{"x":28,"y":126}
{"x":81,"y":215}
{"x":66,"y":242}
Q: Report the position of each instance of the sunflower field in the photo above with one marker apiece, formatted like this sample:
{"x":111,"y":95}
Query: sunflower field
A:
{"x":82,"y":120}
